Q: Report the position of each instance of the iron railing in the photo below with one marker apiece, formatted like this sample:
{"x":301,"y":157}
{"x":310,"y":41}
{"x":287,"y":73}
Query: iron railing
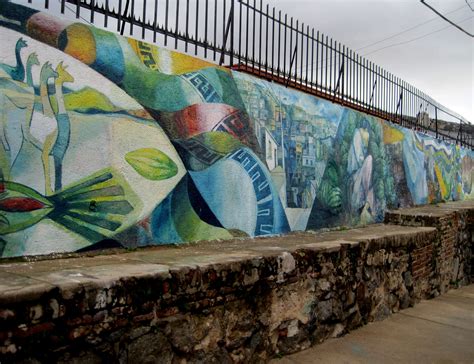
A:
{"x":250,"y":37}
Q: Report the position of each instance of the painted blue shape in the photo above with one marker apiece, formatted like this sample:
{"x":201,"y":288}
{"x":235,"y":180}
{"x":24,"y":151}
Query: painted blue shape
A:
{"x":239,"y":191}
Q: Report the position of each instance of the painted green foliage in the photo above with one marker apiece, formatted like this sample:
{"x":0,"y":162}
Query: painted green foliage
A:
{"x":152,"y":164}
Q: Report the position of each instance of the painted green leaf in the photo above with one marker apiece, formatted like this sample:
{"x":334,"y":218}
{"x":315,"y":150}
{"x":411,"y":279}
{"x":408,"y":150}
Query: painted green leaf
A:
{"x":152,"y":164}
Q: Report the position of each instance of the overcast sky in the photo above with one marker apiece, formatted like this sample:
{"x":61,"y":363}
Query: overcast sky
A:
{"x":441,"y":64}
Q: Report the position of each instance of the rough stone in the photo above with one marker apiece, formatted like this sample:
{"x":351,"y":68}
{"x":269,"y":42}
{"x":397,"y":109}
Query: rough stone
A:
{"x":198,"y":306}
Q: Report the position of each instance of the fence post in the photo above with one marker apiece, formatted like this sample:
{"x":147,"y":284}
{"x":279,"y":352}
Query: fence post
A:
{"x":401,"y":107}
{"x":232,"y":33}
{"x":123,"y":16}
{"x":229,"y":26}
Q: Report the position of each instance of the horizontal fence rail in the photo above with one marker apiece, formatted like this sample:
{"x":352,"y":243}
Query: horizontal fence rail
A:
{"x":249,"y":36}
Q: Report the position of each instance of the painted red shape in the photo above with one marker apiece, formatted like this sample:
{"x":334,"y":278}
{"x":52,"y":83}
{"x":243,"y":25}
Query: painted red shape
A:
{"x":20,"y":204}
{"x":2,"y":187}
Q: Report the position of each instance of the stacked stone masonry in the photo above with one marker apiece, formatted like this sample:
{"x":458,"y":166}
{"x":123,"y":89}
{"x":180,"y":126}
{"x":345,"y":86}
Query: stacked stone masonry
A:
{"x":234,"y":301}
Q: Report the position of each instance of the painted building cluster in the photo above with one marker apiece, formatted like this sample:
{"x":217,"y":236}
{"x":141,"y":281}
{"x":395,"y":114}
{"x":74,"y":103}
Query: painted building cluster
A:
{"x":108,"y":138}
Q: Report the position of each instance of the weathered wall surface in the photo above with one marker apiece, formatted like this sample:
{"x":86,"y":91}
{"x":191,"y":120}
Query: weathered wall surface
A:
{"x":229,"y":302}
{"x":105,"y":137}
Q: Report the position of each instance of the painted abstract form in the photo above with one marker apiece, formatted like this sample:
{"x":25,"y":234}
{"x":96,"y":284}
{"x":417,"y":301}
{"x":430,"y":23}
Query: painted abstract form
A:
{"x":105,"y":138}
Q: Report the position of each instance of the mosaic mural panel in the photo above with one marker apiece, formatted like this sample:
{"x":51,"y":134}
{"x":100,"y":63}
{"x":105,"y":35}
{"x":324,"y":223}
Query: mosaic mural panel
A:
{"x":110,"y":141}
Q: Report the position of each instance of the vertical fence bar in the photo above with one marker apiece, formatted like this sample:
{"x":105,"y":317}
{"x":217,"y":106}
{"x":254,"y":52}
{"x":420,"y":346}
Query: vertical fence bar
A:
{"x":352,"y":75}
{"x":284,"y":46}
{"x":367,"y":85}
{"x":294,"y":55}
{"x":384,"y":93}
{"x":232,"y":18}
{"x":63,"y":5}
{"x":401,"y":100}
{"x":312,"y":58}
{"x":316,"y":65}
{"x":307,"y":54}
{"x":369,"y":76}
{"x":206,"y":25}
{"x":253,"y":32}
{"x":143,"y":19}
{"x":106,"y":14}
{"x":340,"y":52}
{"x":394,"y":97}
{"x":260,"y":37}
{"x":46,"y":4}
{"x":410,"y":107}
{"x":303,"y":58}
{"x":132,"y":16}
{"x":360,"y":80}
{"x":92,"y":11}
{"x":186,"y":36}
{"x":336,"y":67}
{"x":301,"y":77}
{"x":247,"y":35}
{"x":176,"y":28}
{"x":380,"y":107}
{"x":166,"y":22}
{"x":384,"y":102}
{"x":405,"y":103}
{"x":330,"y":67}
{"x":78,"y":9}
{"x":349,"y":74}
{"x":357,"y":80}
{"x":267,"y":15}
{"x":196,"y":29}
{"x":224,"y":39}
{"x":273,"y":40}
{"x":240,"y":32}
{"x":279,"y":43}
{"x":155,"y":23}
{"x":341,"y":72}
{"x":326,"y":60}
{"x":378,"y":88}
{"x":364,"y":83}
{"x":119,"y":16}
{"x":214,"y":46}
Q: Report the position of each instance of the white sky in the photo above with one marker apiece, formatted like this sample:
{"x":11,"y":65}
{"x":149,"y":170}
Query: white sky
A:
{"x":440,"y":64}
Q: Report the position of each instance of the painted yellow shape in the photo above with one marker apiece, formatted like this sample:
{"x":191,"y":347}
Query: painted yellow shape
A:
{"x":81,"y":43}
{"x":182,"y":63}
{"x":391,"y":135}
{"x":442,"y":185}
{"x":89,"y":99}
{"x":168,"y":62}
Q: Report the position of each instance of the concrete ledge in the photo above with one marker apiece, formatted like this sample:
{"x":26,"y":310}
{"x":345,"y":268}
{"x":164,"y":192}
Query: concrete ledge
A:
{"x":229,"y":301}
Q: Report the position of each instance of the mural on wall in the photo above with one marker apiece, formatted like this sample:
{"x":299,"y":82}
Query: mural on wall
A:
{"x":104,"y":137}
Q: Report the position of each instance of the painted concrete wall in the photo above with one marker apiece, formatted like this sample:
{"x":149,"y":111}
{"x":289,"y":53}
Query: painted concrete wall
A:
{"x":105,"y":137}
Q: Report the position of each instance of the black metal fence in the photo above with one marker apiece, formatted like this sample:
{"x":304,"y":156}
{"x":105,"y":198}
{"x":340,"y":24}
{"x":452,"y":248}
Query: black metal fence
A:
{"x":252,"y":37}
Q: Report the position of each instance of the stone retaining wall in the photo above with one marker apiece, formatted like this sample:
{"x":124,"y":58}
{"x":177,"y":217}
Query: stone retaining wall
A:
{"x":448,"y":263}
{"x":212,"y":303}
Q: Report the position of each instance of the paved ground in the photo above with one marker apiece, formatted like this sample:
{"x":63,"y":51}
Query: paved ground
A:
{"x":435,"y":331}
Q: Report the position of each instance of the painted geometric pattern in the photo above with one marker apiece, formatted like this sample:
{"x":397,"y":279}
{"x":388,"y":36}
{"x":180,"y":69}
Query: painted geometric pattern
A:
{"x":109,"y":140}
